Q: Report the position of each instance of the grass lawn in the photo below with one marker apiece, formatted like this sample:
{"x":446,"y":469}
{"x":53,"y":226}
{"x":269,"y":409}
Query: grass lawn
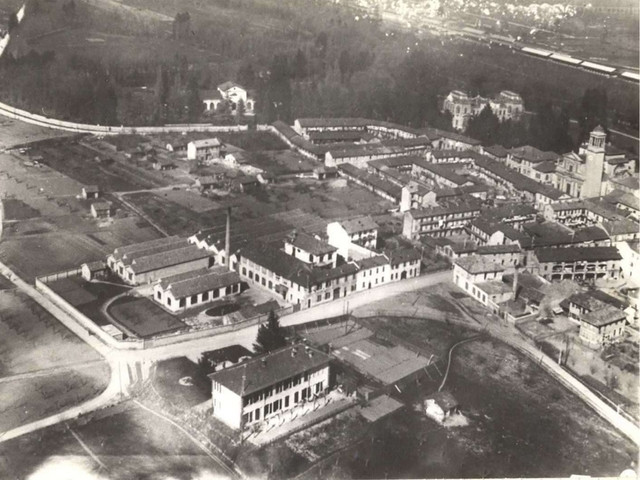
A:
{"x":15,"y":209}
{"x":143,"y":318}
{"x":131,"y":444}
{"x":25,"y":401}
{"x":31,"y":339}
{"x":185,"y":395}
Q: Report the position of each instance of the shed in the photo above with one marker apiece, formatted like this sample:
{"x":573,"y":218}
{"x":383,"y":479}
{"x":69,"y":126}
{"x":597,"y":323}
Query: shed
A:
{"x":441,"y":405}
{"x":246,"y":183}
{"x":101,"y":209}
{"x":90,"y":191}
{"x":92,"y":270}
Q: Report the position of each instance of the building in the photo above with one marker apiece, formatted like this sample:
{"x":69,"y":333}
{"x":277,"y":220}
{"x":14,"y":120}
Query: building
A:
{"x":256,"y":390}
{"x":481,"y":279}
{"x":163,"y":164}
{"x":602,"y":327}
{"x":201,"y":150}
{"x":90,"y":192}
{"x":506,"y":106}
{"x":101,"y":209}
{"x":311,"y":250}
{"x":94,"y":270}
{"x":196,"y":287}
{"x":150,"y":261}
{"x":362,"y":231}
{"x":231,"y":94}
{"x":440,"y":406}
{"x":440,"y":221}
{"x":582,"y":303}
{"x":380,"y":186}
{"x":246,"y":183}
{"x":581,"y":174}
{"x":577,"y":263}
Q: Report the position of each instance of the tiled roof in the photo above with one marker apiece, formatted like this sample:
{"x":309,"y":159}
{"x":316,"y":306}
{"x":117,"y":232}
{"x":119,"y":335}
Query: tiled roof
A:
{"x":451,"y":136}
{"x":101,"y":206}
{"x":97,"y":265}
{"x":396,"y":257}
{"x":445,"y":171}
{"x":532,"y":154}
{"x":389,"y":188}
{"x":497,"y":151}
{"x":199,"y":282}
{"x":179,"y":243}
{"x":91,"y":188}
{"x":604,"y":316}
{"x":357,"y":225}
{"x":278,"y":262}
{"x":207,"y":142}
{"x":120,"y":251}
{"x":229,"y":84}
{"x":461,"y":207}
{"x":168,"y":259}
{"x":621,"y":227}
{"x":596,"y":299}
{"x":267,"y":370}
{"x":577,"y":254}
{"x":498,"y":249}
{"x":372,"y":262}
{"x":311,"y":244}
{"x":629,"y":182}
{"x":477,"y":264}
{"x":547,"y":166}
{"x":445,"y":400}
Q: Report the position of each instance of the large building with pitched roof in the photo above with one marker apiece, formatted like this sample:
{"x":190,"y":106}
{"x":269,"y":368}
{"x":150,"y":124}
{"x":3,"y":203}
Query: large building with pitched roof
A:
{"x":262,"y":388}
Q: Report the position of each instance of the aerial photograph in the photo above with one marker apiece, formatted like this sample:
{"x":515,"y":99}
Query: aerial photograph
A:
{"x":319,"y":239}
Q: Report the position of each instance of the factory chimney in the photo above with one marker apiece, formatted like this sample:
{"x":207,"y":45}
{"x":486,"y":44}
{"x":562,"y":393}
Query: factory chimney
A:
{"x":227,"y":240}
{"x":515,"y":284}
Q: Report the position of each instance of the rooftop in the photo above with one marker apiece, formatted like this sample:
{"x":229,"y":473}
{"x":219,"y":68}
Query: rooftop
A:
{"x":167,"y":259}
{"x":228,"y":85}
{"x":266,"y":370}
{"x":475,"y":264}
{"x":121,"y":251}
{"x":310,"y":244}
{"x":199,"y":281}
{"x":357,"y":225}
{"x":532,"y":154}
{"x":604,"y":316}
{"x":207,"y":142}
{"x":445,"y":400}
{"x":595,"y":299}
{"x":577,"y":254}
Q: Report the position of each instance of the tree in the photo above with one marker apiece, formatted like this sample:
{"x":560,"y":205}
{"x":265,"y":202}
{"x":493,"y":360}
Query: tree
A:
{"x":240,"y":109}
{"x":344,"y":63}
{"x":270,"y":336}
{"x":484,"y":127}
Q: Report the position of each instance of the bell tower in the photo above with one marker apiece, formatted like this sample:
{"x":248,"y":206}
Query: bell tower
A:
{"x":594,"y":164}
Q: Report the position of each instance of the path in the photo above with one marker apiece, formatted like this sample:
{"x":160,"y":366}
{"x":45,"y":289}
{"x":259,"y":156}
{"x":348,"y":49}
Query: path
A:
{"x":50,"y":371}
{"x":446,"y":373}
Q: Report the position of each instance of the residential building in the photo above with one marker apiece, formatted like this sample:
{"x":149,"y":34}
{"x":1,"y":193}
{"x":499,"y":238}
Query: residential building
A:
{"x":379,"y":186}
{"x":602,"y":327}
{"x":258,"y":389}
{"x":90,"y":192}
{"x":101,"y":209}
{"x":440,"y":221}
{"x":311,"y":250}
{"x":196,"y":287}
{"x":577,"y":263}
{"x":231,"y":94}
{"x":481,"y":279}
{"x":630,"y":263}
{"x":205,"y":149}
{"x":506,"y":106}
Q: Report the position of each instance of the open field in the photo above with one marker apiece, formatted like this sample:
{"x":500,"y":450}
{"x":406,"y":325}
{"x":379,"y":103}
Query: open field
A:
{"x":283,"y":162}
{"x":39,"y":254}
{"x":14,"y":132}
{"x":188,"y":199}
{"x":142,"y":317}
{"x":18,"y":210}
{"x":130,"y":444}
{"x":521,"y":423}
{"x":25,"y":401}
{"x":31,"y":339}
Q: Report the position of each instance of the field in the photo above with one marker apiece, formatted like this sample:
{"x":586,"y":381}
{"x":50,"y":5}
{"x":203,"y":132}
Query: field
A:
{"x":14,"y":132}
{"x":31,"y":339}
{"x":18,"y":210}
{"x":188,"y":199}
{"x":143,"y":318}
{"x":25,"y":401}
{"x":128,"y":444}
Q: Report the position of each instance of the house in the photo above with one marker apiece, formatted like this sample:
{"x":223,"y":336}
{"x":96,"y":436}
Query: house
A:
{"x":206,"y":149}
{"x":440,"y":221}
{"x":235,"y":94}
{"x":235,"y":158}
{"x":196,"y":287}
{"x":325,"y":173}
{"x":90,"y":191}
{"x":246,"y":183}
{"x":256,"y":390}
{"x":440,"y":406}
{"x":602,"y":327}
{"x":177,"y":146}
{"x":481,"y":279}
{"x":94,"y":270}
{"x":582,"y":303}
{"x":209,"y":181}
{"x":149,"y":261}
{"x":267,"y":178}
{"x":101,"y":209}
{"x":362,"y":231}
{"x":506,"y":106}
{"x":163,"y":164}
{"x":310,"y":250}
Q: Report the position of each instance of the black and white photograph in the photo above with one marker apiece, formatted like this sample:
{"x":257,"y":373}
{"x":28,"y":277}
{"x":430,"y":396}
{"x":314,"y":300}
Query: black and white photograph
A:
{"x":319,"y":239}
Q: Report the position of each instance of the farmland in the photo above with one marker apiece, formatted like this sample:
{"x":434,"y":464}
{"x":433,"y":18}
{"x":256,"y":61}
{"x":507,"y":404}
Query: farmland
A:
{"x":129,"y":441}
{"x":25,"y":401}
{"x":32,"y":339}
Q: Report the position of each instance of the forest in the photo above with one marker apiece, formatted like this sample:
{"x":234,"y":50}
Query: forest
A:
{"x":321,"y":60}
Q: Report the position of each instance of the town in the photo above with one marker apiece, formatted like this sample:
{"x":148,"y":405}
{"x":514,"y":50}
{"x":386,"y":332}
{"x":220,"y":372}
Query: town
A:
{"x":252,"y":294}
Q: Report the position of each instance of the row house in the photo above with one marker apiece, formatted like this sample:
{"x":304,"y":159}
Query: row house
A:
{"x":439,"y":221}
{"x":527,"y":159}
{"x":381,"y":129}
{"x":451,"y":156}
{"x":577,"y":263}
{"x":451,"y":140}
{"x":440,"y":175}
{"x":311,"y":250}
{"x":362,"y":231}
{"x":472,"y":273}
{"x":379,"y":186}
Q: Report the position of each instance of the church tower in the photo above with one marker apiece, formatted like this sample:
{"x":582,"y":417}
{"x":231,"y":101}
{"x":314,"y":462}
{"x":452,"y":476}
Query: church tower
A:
{"x":594,"y":164}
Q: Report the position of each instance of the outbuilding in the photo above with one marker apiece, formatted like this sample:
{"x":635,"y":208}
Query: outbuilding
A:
{"x":440,"y":406}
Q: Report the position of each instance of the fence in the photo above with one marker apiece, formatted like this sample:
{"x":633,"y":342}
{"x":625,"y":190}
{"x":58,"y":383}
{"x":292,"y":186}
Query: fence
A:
{"x":58,"y":275}
{"x":84,"y":321}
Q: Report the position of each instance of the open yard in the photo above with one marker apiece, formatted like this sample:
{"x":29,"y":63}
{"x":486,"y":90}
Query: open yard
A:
{"x":31,"y":339}
{"x":25,"y":401}
{"x":129,"y":443}
{"x":142,"y":318}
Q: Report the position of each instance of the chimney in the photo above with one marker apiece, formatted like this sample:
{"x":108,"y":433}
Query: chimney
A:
{"x":227,"y":240}
{"x":515,"y":285}
{"x":264,"y":362}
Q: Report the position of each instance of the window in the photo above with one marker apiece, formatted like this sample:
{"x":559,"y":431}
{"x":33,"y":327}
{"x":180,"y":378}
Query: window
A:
{"x":257,"y":414}
{"x":286,"y":401}
{"x":168,"y":301}
{"x":264,"y":282}
{"x":159,"y":295}
{"x":295,"y":397}
{"x":319,"y":298}
{"x":244,"y":271}
{"x":304,"y":393}
{"x":318,"y":387}
{"x":182,"y":302}
{"x":327,"y":295}
{"x":194,"y":299}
